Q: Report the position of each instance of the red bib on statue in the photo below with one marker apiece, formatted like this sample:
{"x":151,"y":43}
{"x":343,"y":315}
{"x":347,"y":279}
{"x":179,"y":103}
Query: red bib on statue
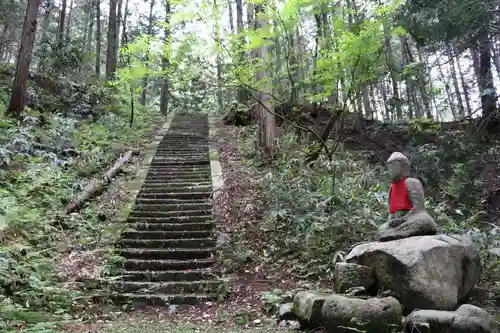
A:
{"x":399,"y":199}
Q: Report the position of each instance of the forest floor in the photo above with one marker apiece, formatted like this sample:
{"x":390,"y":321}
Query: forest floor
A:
{"x":256,"y":285}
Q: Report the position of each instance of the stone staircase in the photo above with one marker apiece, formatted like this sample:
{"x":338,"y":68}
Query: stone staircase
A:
{"x":169,"y":253}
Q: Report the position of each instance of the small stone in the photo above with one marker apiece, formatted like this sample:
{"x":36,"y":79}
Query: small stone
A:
{"x":172,"y":309}
{"x":286,"y":312}
{"x":257,"y":321}
{"x":349,"y":275}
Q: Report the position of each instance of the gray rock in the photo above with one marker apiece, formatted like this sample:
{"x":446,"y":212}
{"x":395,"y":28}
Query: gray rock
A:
{"x":307,"y":307}
{"x":466,"y":319}
{"x":348,"y":275}
{"x":421,"y":224}
{"x":286,"y":312}
{"x":425,"y":272}
{"x":347,"y":314}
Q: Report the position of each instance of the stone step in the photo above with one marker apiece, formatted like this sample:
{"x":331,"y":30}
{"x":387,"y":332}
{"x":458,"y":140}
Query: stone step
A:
{"x":172,"y":234}
{"x":188,"y":162}
{"x":186,"y":275}
{"x":160,"y":154}
{"x":175,"y":202}
{"x":200,"y":226}
{"x":185,"y":243}
{"x":156,"y":187}
{"x":178,"y":152}
{"x":172,"y":206}
{"x":161,"y":211}
{"x":183,"y":183}
{"x":181,"y":168}
{"x":179,"y":160}
{"x":154,"y":265}
{"x":170,"y":287}
{"x":158,"y":194}
{"x":159,"y":172}
{"x":142,"y":300}
{"x":172,"y":253}
{"x":172,"y":178}
{"x":151,"y":218}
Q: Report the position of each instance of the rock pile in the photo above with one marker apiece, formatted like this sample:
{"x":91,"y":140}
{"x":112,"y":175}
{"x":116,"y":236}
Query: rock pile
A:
{"x":415,"y":272}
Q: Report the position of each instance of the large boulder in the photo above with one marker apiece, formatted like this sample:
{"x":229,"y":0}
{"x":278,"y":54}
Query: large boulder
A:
{"x":425,"y":272}
{"x":466,"y":319}
{"x":349,"y":314}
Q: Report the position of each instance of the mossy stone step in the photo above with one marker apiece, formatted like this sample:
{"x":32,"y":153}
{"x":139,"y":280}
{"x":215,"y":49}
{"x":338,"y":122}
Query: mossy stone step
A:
{"x":180,"y":203}
{"x":155,"y":193}
{"x":186,"y":243}
{"x":201,"y":226}
{"x":162,"y":211}
{"x":181,"y":168}
{"x":172,"y":253}
{"x":170,"y":206}
{"x":186,"y":189}
{"x":171,"y":234}
{"x":159,"y":178}
{"x":188,"y":163}
{"x":142,"y":300}
{"x":186,"y":275}
{"x":184,"y":184}
{"x":148,"y":217}
{"x":158,"y":172}
{"x":151,"y":265}
{"x":170,"y":287}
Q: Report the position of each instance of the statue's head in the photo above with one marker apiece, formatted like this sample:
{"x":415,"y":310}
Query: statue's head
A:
{"x":399,"y":166}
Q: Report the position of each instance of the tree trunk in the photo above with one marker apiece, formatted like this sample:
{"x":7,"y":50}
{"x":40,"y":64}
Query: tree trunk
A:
{"x":487,"y":88}
{"x":423,"y":83}
{"x":16,"y":105}
{"x":464,"y":87}
{"x":45,"y":37}
{"x":98,"y":39}
{"x":267,"y":122}
{"x":124,"y":24}
{"x":144,"y":92}
{"x":396,"y":100}
{"x":112,"y":50}
{"x":90,"y":31}
{"x":231,"y":19}
{"x":242,"y":92}
{"x":68,"y":25}
{"x":118,"y":23}
{"x":218,"y":58}
{"x":62,"y":19}
{"x":496,"y":59}
{"x":164,"y":62}
{"x":454,"y":78}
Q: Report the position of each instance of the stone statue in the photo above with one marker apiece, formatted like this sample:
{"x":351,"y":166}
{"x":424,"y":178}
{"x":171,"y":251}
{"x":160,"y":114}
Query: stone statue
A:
{"x":407,"y":214}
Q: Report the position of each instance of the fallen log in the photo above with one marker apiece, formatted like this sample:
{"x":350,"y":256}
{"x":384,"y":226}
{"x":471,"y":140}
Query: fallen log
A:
{"x":97,"y":185}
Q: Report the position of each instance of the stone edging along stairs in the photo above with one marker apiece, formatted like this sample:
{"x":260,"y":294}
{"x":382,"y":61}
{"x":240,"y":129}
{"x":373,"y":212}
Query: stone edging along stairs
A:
{"x":170,"y":251}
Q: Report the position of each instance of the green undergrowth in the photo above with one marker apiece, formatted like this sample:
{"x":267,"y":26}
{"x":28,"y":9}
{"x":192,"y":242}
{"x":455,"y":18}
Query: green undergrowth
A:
{"x":35,"y":185}
{"x":318,"y":212}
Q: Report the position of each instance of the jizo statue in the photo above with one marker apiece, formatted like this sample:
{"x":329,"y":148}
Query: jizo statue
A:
{"x":407,"y":214}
